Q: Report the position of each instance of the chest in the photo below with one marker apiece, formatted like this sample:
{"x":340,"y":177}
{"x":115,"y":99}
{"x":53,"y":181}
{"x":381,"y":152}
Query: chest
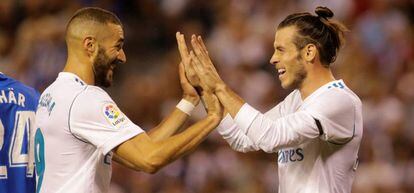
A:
{"x":306,"y":152}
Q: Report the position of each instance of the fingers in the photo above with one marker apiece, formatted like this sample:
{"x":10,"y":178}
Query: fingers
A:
{"x":201,"y":42}
{"x":197,"y":65}
{"x":202,"y":53}
{"x":182,"y":47}
{"x":198,"y":49}
{"x":199,"y":70}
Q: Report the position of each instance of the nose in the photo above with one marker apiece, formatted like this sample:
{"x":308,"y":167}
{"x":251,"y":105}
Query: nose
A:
{"x":122,"y":56}
{"x":274,"y":60}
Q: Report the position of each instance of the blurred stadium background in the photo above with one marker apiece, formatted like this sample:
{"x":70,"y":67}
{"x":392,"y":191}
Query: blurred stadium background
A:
{"x":377,"y":63}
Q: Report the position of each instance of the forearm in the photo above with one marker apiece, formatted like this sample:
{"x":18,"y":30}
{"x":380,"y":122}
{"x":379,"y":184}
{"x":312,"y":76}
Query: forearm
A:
{"x":229,"y":99}
{"x":142,"y":153}
{"x":169,"y":126}
{"x":124,"y":162}
{"x":173,"y":122}
{"x":271,"y":135}
{"x":182,"y":143}
{"x":237,"y":139}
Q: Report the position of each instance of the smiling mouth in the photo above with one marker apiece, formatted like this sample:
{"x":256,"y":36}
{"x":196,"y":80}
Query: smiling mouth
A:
{"x":281,"y":71}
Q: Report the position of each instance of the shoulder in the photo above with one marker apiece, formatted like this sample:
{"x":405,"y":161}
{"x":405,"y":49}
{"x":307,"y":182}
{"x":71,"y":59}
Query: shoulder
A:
{"x":333,"y":101}
{"x":338,"y":110}
{"x":34,"y":94}
{"x":92,"y":95}
{"x":335,"y":105}
{"x":91,"y":99}
{"x":338,"y":91}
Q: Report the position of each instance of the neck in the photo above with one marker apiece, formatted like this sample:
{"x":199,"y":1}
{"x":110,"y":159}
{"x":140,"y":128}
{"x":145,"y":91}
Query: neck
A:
{"x":316,"y":78}
{"x":82,"y":69}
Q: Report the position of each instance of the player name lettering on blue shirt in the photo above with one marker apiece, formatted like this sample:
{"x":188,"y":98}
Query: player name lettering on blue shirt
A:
{"x":10,"y":96}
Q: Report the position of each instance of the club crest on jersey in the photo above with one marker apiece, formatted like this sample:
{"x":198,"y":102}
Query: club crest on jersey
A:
{"x":113,"y":114}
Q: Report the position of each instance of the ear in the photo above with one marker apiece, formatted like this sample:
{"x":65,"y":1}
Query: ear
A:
{"x":91,"y":46}
{"x":309,"y":52}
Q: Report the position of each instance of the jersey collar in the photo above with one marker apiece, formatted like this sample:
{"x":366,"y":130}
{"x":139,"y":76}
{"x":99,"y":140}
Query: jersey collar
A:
{"x":333,"y":84}
{"x":71,"y":76}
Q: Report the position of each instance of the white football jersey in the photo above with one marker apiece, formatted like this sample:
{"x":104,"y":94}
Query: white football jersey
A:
{"x":78,"y":126}
{"x":317,"y":139}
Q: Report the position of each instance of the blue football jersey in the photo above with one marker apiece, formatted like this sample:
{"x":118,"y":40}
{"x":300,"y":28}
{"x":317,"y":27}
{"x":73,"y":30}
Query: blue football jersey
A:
{"x":18,"y":104}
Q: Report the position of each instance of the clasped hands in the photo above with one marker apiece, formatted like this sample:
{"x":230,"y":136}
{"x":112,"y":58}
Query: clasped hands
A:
{"x":197,"y":73}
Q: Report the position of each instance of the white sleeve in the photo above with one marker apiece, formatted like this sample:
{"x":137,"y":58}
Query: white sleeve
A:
{"x":332,"y":117}
{"x":95,"y":119}
{"x":235,"y":137}
{"x":271,"y":135}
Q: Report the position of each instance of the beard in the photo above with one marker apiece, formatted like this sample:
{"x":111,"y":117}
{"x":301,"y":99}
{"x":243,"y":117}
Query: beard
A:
{"x":300,"y":73}
{"x":299,"y":77}
{"x":103,"y":69}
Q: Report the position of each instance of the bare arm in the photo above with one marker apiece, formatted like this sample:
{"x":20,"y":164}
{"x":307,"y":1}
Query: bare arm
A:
{"x":169,"y":126}
{"x":123,"y":162}
{"x":143,"y":153}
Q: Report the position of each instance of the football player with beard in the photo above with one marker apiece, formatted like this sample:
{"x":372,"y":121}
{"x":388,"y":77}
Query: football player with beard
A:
{"x":80,"y":129}
{"x":317,"y":129}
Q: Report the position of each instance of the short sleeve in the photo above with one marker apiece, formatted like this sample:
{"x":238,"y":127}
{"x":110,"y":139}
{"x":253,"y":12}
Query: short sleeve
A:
{"x":335,"y":114}
{"x":96,"y":119}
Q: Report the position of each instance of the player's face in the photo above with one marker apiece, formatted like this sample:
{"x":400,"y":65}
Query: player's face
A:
{"x":110,"y":54}
{"x":287,"y":59}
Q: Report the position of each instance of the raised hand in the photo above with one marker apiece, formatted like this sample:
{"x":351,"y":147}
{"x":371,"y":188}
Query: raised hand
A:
{"x":186,"y":60}
{"x":203,"y":65}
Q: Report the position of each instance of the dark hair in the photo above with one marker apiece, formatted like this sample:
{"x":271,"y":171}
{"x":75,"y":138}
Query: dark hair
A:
{"x":326,"y":34}
{"x":95,"y":14}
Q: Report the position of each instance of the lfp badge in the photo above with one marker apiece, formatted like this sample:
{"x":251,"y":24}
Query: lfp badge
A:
{"x":113,"y":114}
{"x":111,"y":111}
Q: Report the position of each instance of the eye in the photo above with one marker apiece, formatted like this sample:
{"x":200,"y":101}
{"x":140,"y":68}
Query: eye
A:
{"x":118,"y":47}
{"x":280,"y":49}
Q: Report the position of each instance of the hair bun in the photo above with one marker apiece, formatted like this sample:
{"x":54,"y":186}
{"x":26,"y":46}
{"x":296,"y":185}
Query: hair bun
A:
{"x":324,"y":12}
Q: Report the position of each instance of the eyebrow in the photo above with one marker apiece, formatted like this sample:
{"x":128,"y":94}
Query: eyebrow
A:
{"x":280,"y":48}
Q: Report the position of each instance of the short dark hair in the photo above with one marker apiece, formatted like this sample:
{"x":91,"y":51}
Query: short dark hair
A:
{"x":95,"y":14}
{"x":325,"y":33}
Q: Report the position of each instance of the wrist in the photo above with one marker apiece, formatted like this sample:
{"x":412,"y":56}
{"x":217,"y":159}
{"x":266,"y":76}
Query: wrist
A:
{"x":214,"y":116}
{"x":185,"y":106}
{"x":192,"y":99}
